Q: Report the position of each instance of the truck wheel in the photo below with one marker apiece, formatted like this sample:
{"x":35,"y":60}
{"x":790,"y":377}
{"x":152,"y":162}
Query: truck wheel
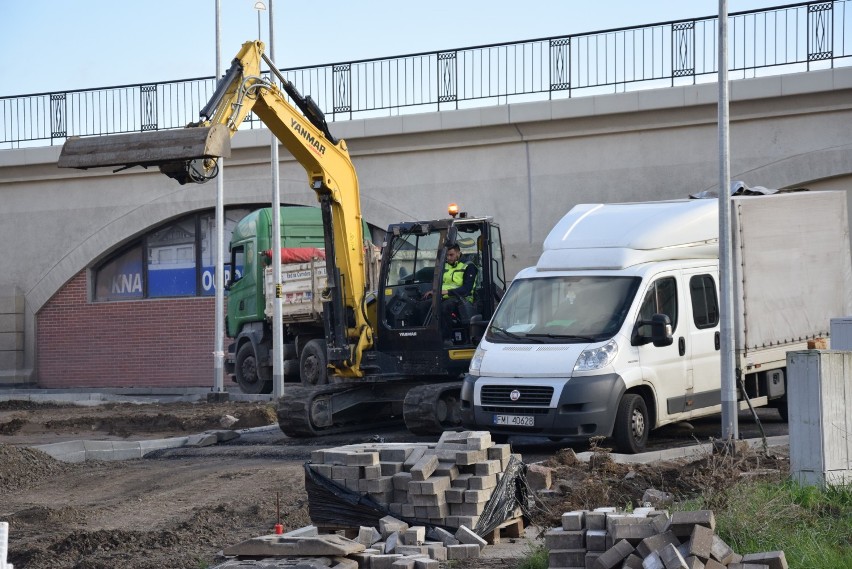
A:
{"x":782,"y":406}
{"x":631,"y":424}
{"x":250,"y":377}
{"x":313,"y":363}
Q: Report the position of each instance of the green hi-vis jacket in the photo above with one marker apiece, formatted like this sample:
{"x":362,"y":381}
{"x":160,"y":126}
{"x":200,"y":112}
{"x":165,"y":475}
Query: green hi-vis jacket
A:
{"x":454,"y":278}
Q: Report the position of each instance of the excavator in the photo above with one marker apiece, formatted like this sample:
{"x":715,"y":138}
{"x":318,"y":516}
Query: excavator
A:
{"x":388,"y":352}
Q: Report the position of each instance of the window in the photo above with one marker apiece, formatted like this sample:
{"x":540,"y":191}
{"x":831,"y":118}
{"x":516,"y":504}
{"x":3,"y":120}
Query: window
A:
{"x":661,"y":298}
{"x":171,"y":260}
{"x":179,"y":260}
{"x":563,"y":309}
{"x":120,"y":278}
{"x":705,"y":304}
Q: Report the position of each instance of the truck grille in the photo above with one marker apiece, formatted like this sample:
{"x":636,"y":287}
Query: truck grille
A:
{"x":535,"y":396}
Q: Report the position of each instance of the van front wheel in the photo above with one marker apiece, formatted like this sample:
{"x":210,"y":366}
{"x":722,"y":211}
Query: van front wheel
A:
{"x":631,"y":424}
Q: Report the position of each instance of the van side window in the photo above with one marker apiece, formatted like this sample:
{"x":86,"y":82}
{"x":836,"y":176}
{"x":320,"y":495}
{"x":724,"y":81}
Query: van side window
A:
{"x":705,"y":303}
{"x":661,"y":298}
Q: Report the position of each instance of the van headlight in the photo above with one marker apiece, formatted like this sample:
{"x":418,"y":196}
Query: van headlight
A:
{"x":596,"y":358}
{"x":476,"y":361}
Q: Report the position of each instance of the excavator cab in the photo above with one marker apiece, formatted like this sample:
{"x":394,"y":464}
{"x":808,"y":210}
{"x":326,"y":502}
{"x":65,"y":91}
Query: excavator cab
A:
{"x":410,"y":304}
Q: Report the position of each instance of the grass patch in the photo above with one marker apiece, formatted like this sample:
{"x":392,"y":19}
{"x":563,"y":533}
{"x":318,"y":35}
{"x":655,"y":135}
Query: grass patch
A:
{"x":536,"y":556}
{"x":812,"y":525}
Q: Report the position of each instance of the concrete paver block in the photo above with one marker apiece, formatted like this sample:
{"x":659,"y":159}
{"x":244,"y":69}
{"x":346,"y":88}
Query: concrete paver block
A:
{"x":415,"y":535}
{"x":391,"y":542}
{"x":614,"y":556}
{"x":596,"y":540}
{"x":368,"y":535}
{"x":423,"y":468}
{"x":382,"y":561}
{"x":421,"y":563}
{"x":656,"y":542}
{"x":701,"y":542}
{"x":306,"y":531}
{"x":772,"y":559}
{"x":436,"y":551}
{"x":442,"y":535}
{"x":682,"y":522}
{"x":390,"y":524}
{"x":539,"y":477}
{"x":572,"y":521}
{"x":566,"y":558}
{"x":671,"y":557}
{"x":653,"y":561}
{"x":403,"y":563}
{"x":558,"y":538}
{"x":633,"y":533}
{"x":462,"y":551}
{"x":721,"y":551}
{"x":466,"y":535}
{"x":595,"y":520}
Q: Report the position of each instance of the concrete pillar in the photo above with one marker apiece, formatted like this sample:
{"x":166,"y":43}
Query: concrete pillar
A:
{"x":819,"y":395}
{"x":12,"y":338}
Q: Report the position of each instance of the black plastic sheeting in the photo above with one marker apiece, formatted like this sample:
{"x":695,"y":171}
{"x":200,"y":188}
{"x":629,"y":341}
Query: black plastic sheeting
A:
{"x":333,"y":505}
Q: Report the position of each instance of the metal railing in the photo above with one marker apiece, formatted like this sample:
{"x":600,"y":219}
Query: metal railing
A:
{"x":782,"y":39}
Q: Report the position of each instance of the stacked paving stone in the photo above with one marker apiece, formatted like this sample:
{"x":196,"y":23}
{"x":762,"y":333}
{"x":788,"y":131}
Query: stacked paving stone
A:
{"x":447,"y":483}
{"x":393,"y":545}
{"x":647,"y":538}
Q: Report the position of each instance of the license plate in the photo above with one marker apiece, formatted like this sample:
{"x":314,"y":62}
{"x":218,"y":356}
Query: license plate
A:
{"x":515,"y":420}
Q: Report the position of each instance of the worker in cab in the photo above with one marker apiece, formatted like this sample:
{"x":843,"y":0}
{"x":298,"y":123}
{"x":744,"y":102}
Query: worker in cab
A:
{"x":456,"y":290}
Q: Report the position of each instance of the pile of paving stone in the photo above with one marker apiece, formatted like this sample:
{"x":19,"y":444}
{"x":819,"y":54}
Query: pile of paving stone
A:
{"x":647,"y":538}
{"x":446,"y":484}
{"x":394,"y":545}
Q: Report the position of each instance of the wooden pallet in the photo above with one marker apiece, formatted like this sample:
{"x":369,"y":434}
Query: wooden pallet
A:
{"x":512,"y":528}
{"x":348,"y":532}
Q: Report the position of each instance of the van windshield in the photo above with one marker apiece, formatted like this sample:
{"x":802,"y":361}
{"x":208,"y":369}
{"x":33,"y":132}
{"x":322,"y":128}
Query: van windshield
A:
{"x":569,"y":309}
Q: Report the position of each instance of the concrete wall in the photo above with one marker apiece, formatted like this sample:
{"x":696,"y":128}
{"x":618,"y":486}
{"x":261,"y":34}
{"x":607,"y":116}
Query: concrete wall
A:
{"x":525,"y":164}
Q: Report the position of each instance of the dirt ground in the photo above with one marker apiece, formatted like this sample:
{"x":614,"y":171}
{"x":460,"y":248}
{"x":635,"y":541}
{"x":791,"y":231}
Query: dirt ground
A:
{"x":178,"y":508}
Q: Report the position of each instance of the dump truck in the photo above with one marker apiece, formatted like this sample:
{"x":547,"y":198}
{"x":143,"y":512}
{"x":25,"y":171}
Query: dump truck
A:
{"x":387,"y":355}
{"x":252,"y":292}
{"x":616,"y":329}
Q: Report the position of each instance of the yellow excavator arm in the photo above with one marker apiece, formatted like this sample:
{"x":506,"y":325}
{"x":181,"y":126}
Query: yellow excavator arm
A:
{"x":190,"y":155}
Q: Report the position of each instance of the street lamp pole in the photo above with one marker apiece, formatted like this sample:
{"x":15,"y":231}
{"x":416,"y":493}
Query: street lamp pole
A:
{"x":260,"y":7}
{"x":730,"y":427}
{"x":278,"y":325}
{"x":218,"y":391}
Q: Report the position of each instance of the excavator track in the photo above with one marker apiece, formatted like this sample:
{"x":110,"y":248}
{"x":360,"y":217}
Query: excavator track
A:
{"x":338,"y":408}
{"x":433,"y":408}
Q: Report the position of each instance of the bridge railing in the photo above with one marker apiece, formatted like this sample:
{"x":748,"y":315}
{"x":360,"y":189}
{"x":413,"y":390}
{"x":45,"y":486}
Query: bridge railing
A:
{"x":783,"y":39}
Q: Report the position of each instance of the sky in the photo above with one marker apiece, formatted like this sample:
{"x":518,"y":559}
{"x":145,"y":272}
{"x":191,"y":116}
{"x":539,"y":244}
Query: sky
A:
{"x":60,"y":45}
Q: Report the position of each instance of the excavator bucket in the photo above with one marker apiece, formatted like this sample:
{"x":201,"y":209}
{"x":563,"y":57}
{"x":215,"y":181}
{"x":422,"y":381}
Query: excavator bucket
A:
{"x":154,"y":148}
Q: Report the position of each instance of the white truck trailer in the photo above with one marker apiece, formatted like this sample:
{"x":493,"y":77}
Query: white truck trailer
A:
{"x":616,"y":330}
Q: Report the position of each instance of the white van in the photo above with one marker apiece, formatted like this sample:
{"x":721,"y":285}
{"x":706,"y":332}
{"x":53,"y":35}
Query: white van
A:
{"x":616,"y":331}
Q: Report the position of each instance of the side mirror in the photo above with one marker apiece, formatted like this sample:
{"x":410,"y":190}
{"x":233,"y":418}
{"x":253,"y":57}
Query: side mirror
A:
{"x":661,"y":330}
{"x":477,"y":328}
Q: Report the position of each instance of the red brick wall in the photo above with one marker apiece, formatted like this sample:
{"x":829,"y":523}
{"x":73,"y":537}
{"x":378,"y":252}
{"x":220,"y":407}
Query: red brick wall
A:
{"x":146,"y":343}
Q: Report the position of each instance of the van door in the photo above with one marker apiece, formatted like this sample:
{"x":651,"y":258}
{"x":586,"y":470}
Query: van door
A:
{"x":704,"y":342}
{"x":664,"y":367}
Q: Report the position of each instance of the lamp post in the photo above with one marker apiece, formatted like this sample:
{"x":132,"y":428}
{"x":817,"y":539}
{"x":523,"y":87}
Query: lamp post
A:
{"x":278,"y":325}
{"x":218,"y":392}
{"x":260,"y":7}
